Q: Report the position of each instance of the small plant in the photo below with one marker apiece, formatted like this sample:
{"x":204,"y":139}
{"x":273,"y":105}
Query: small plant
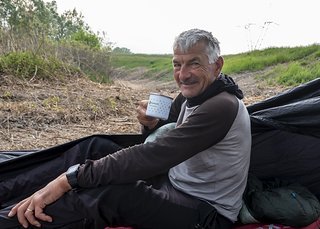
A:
{"x":92,"y":106}
{"x":52,"y":102}
{"x":7,"y":95}
{"x":112,"y":103}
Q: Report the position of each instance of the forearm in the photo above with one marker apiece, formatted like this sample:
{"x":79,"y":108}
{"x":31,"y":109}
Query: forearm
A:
{"x":63,"y":183}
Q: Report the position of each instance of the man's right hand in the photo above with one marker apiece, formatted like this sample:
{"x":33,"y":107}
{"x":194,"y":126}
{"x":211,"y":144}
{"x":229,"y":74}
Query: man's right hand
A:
{"x":147,"y":121}
{"x":31,"y":210}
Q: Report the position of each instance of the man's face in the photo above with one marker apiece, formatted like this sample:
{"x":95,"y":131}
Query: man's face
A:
{"x":192,"y":70}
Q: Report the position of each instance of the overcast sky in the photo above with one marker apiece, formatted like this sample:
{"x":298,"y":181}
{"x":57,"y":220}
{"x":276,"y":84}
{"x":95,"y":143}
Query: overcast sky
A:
{"x":150,"y":26}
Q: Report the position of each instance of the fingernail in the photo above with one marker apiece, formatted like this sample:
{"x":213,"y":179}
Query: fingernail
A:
{"x":38,"y":225}
{"x":10,"y":214}
{"x":25,"y":225}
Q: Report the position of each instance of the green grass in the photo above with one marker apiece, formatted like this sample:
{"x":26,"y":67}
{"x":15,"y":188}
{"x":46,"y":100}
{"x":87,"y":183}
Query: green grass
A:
{"x":286,"y":66}
{"x":295,"y":73}
{"x":261,"y":59}
{"x":276,"y":66}
{"x":158,"y":66}
{"x":152,"y":62}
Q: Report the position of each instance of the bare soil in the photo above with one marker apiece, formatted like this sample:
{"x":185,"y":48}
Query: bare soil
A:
{"x":39,"y":114}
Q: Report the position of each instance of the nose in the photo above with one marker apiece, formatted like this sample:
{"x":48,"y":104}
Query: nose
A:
{"x":184,"y":73}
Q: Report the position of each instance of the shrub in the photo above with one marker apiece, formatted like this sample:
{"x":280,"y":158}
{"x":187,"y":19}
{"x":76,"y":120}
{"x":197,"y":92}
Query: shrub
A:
{"x":28,"y":66}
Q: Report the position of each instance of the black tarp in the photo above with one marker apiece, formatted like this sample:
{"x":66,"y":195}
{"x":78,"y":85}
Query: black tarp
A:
{"x":285,"y":145}
{"x":24,"y":172}
{"x":296,"y":110}
{"x":286,"y":136}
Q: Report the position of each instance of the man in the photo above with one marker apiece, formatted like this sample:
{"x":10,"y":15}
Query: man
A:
{"x":191,"y":177}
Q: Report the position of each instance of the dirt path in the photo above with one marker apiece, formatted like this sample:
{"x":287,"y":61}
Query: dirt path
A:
{"x":35,"y":115}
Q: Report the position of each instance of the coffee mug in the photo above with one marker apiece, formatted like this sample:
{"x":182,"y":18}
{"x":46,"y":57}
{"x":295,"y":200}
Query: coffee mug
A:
{"x":159,"y":106}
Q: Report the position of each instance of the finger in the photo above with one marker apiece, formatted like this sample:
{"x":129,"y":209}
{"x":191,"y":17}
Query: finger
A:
{"x":142,"y":107}
{"x":39,"y":213}
{"x":44,"y":217}
{"x":139,"y":110}
{"x":143,"y":103}
{"x":29,"y":215}
{"x":13,"y":211}
{"x":21,"y":214}
{"x":141,"y":116}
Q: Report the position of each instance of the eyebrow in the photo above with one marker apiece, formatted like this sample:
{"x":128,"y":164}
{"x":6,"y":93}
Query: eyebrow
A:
{"x":194,"y":59}
{"x":174,"y":60}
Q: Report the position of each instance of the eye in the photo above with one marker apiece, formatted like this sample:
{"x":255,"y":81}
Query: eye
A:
{"x":176,"y":65}
{"x":194,"y":64}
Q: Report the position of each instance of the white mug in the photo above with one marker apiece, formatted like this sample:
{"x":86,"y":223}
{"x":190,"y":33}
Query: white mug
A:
{"x":159,"y":106}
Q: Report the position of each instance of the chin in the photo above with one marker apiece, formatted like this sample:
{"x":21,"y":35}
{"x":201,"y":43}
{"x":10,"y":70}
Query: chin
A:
{"x":187,"y":94}
{"x":188,"y":91}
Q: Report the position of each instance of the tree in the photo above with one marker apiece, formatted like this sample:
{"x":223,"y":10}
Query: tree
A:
{"x":34,"y":27}
{"x":121,"y":50}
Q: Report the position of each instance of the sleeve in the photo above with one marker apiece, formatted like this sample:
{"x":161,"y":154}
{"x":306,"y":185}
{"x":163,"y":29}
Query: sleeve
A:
{"x":206,"y":126}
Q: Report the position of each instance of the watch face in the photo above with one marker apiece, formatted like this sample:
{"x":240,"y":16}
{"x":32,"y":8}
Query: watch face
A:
{"x":73,"y":168}
{"x":71,"y":175}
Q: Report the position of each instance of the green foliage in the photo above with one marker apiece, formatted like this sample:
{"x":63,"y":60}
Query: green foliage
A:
{"x":86,"y":38}
{"x":27,"y":65}
{"x":69,"y":23}
{"x":35,"y":40}
{"x":21,"y":64}
{"x":118,"y":50}
{"x":31,"y":18}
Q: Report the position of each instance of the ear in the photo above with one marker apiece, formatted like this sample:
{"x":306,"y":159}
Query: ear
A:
{"x":219,"y":64}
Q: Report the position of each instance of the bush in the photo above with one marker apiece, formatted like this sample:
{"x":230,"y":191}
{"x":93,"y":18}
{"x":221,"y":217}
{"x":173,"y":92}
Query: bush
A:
{"x":36,"y":41}
{"x":27,"y":66}
{"x":92,"y":62}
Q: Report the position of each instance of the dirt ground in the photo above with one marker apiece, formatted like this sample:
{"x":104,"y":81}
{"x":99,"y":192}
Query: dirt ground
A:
{"x":39,"y":114}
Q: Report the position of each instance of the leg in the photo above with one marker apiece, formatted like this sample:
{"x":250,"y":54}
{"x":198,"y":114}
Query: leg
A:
{"x":152,"y":204}
{"x":141,"y":205}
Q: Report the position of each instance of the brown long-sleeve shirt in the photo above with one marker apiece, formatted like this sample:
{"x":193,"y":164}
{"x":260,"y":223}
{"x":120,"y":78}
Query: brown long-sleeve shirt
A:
{"x":205,"y":127}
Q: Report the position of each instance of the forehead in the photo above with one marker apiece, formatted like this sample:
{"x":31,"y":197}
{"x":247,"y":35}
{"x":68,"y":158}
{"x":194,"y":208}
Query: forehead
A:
{"x":196,"y":51}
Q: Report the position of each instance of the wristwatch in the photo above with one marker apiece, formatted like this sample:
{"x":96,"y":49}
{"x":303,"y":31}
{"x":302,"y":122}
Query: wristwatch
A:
{"x":72,"y":174}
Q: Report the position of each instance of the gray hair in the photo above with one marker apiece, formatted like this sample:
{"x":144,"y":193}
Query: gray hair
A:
{"x":187,"y":39}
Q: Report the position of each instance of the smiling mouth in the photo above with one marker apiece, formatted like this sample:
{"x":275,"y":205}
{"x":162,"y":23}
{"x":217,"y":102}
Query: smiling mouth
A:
{"x":188,"y":82}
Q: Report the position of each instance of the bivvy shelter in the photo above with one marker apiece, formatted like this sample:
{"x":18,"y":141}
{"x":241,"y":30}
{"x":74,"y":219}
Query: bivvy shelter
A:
{"x":285,"y":146}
